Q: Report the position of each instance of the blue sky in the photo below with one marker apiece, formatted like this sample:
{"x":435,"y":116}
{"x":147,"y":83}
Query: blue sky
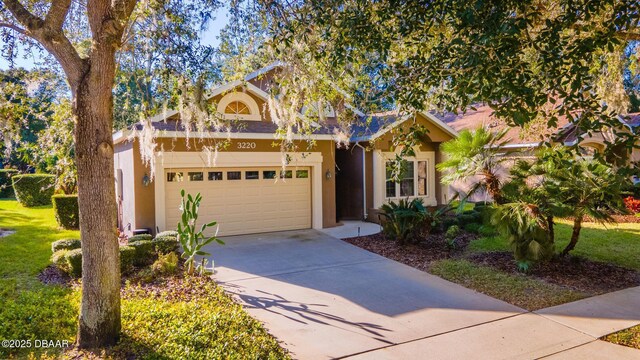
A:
{"x":209,"y":37}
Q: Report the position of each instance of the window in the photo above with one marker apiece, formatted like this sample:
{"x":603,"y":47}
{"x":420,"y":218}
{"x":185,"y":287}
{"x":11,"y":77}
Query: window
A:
{"x":406,"y":186}
{"x":174,"y":177}
{"x":251,"y":175}
{"x":237,"y":108}
{"x":269,"y":174}
{"x":286,"y":174}
{"x":195,"y":176}
{"x":422,"y":178}
{"x":302,"y":174}
{"x":234,"y":175}
{"x":215,"y":175}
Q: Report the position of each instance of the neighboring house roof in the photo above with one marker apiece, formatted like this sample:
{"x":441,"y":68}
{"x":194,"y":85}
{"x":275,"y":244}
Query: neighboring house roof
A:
{"x":483,"y":116}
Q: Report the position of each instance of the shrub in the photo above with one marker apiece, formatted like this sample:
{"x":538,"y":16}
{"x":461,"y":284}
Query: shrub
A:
{"x":472,"y":227}
{"x":144,"y":252}
{"x":127,"y":258}
{"x":449,"y":222}
{"x":74,"y":262}
{"x":65,"y":244}
{"x":59,"y":260}
{"x":167,"y":233}
{"x":487,"y":230}
{"x":450,"y":236}
{"x":6,"y":190}
{"x":401,"y":219}
{"x":166,"y":264}
{"x":33,"y":189}
{"x":139,"y":237}
{"x":66,"y":210}
{"x":165,"y":244}
{"x":632,"y":204}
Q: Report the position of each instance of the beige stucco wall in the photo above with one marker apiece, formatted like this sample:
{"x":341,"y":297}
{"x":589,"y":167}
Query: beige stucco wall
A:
{"x":144,"y":195}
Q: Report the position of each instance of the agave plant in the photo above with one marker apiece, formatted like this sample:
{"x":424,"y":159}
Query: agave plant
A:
{"x":193,"y":240}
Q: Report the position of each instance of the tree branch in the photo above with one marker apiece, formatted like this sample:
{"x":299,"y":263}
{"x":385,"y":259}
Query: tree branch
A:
{"x":57,"y":14}
{"x":30,"y":21}
{"x":628,"y":35}
{"x":13,"y":27}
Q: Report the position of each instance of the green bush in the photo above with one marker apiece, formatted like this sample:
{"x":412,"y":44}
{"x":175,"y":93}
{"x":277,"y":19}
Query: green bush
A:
{"x":127,"y":258}
{"x":33,"y":189}
{"x":472,"y":227}
{"x":145,"y":252}
{"x":166,"y":264}
{"x":74,"y":262}
{"x":139,"y":237}
{"x":487,"y":230}
{"x":66,"y":210}
{"x":452,"y":232}
{"x":6,"y":190}
{"x":167,"y":233}
{"x":59,"y":259}
{"x":402,"y":219}
{"x":65,"y":244}
{"x":449,"y":221}
{"x":165,"y":244}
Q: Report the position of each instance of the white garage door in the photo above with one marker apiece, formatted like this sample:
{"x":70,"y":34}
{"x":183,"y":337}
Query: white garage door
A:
{"x":243,"y":200}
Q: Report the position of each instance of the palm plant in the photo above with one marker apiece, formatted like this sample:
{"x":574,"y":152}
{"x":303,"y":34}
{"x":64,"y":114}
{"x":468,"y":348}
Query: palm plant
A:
{"x":586,"y":188}
{"x":475,"y":153}
{"x":525,"y":227}
{"x":403,"y":218}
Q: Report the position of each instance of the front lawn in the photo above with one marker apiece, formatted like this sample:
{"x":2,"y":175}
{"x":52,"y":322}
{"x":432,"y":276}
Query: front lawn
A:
{"x":617,"y":244}
{"x":628,"y":337}
{"x":174,"y":318}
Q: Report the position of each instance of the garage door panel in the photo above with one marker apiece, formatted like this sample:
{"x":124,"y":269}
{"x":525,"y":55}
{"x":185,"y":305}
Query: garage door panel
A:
{"x":244,"y":206}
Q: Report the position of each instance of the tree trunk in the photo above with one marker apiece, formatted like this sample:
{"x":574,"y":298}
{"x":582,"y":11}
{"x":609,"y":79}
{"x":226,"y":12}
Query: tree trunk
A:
{"x":99,"y":322}
{"x":551,"y":236}
{"x":575,"y":235}
{"x":493,"y":187}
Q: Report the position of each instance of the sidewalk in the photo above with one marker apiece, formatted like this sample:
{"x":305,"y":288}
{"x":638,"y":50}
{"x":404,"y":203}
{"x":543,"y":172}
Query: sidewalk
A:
{"x":568,"y":331}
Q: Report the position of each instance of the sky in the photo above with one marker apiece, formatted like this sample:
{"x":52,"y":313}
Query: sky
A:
{"x":209,"y":37}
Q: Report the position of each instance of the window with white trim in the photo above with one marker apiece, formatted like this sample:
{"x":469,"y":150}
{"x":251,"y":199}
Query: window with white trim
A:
{"x":413,"y":180}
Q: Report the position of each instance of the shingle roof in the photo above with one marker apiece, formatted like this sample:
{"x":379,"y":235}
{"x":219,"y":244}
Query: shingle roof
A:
{"x":483,"y":116}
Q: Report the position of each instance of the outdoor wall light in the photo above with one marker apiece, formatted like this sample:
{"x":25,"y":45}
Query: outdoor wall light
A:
{"x":146,"y":180}
{"x":328,"y":174}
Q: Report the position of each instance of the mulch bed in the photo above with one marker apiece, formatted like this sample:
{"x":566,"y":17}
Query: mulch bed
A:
{"x":577,"y":273}
{"x":51,"y":275}
{"x":418,"y":255}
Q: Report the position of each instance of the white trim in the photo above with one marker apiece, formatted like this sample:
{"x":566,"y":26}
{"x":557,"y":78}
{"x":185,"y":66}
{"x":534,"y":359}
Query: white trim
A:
{"x":123,"y":135}
{"x":192,"y":159}
{"x":379,"y":177}
{"x":430,"y":117}
{"x":263,"y":70}
{"x":441,"y":124}
{"x":244,"y":98}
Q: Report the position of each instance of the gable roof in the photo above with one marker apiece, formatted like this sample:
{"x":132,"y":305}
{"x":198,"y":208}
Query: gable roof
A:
{"x":371,"y":127}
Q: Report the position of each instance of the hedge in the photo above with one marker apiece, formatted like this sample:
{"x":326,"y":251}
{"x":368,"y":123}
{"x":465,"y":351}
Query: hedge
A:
{"x":65,"y":244}
{"x":127,"y":258}
{"x":33,"y":189}
{"x":66,"y":210}
{"x":145,"y":253}
{"x":165,"y":244}
{"x":6,"y":190}
{"x":74,"y":262}
{"x":139,"y":237}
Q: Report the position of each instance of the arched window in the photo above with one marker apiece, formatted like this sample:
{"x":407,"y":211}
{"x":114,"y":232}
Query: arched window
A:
{"x":237,"y":108}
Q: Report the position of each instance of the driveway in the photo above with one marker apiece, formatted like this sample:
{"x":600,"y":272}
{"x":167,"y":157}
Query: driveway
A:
{"x":324,"y":298}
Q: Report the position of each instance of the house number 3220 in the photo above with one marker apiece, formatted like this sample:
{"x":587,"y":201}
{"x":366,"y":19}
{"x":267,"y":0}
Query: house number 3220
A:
{"x":246,"y":145}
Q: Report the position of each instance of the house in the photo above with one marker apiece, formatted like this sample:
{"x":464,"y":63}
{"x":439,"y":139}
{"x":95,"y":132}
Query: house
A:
{"x":522,"y":143}
{"x":245,"y":186}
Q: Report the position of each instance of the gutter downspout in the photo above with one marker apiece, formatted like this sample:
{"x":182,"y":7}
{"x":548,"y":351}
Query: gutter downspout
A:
{"x":364,"y":180}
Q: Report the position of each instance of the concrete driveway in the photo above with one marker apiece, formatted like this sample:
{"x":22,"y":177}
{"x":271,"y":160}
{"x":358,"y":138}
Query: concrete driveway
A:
{"x":324,"y":298}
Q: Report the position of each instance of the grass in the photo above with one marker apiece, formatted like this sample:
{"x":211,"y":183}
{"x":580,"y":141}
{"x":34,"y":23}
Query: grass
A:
{"x":520,"y":290}
{"x":167,"y":324}
{"x":617,"y":244}
{"x":628,"y":337}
